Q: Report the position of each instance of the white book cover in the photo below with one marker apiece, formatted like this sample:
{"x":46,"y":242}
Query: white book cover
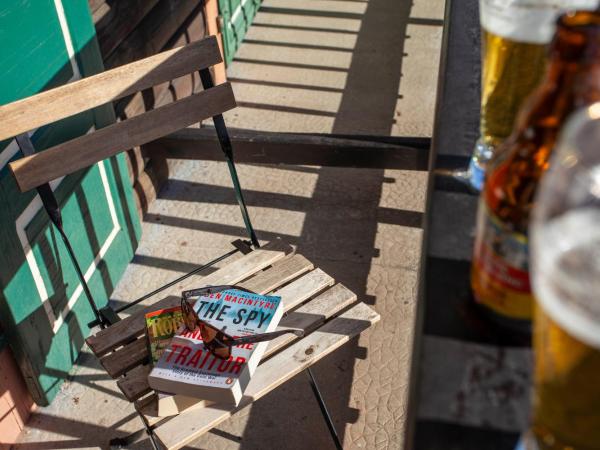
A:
{"x":188,"y":368}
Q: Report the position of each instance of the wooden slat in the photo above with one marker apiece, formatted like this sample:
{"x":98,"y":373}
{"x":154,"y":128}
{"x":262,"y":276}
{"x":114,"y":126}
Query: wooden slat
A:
{"x":134,"y":325}
{"x":303,"y":288}
{"x":312,"y":314}
{"x":184,"y":428}
{"x":134,"y":354}
{"x":154,"y":32}
{"x":64,"y":101}
{"x":86,"y":150}
{"x":130,"y":356}
{"x":259,"y":147}
{"x":279,"y":274}
{"x":167,"y":92}
{"x":95,"y":4}
{"x":135,"y":384}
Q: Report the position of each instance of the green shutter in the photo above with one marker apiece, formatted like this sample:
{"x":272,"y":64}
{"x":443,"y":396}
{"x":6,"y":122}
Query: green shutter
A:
{"x":237,"y":17}
{"x":42,"y":309}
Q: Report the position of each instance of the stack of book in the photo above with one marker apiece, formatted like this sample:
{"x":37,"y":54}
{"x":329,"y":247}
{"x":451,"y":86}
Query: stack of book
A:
{"x":186,"y":374}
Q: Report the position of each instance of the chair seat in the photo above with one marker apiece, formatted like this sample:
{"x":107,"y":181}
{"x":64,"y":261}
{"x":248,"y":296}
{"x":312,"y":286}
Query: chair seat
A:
{"x":312,"y":300}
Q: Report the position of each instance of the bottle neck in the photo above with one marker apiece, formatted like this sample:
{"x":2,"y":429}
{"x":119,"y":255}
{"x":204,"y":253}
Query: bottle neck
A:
{"x":572,"y":81}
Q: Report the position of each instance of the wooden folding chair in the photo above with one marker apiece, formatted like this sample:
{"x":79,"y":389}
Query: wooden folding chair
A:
{"x":309,"y":294}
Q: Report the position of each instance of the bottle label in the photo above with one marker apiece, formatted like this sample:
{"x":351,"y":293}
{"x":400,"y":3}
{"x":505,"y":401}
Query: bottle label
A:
{"x":531,"y":21}
{"x":500,"y":267}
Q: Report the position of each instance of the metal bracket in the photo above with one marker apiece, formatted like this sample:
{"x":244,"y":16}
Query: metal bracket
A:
{"x":109,"y":316}
{"x":244,"y":247}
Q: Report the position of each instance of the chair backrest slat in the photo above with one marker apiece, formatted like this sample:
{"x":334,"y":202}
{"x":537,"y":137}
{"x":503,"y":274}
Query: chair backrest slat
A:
{"x":64,"y":101}
{"x":66,"y":158}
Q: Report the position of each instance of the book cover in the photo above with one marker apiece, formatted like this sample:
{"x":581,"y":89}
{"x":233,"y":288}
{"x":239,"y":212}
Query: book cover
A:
{"x":188,"y":368}
{"x":162,"y":326}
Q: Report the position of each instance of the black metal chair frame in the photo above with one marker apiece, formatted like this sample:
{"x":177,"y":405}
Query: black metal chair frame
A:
{"x":106,"y":316}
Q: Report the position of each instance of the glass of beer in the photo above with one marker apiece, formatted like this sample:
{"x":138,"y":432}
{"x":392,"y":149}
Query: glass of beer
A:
{"x":514,"y":38}
{"x":565,"y":254}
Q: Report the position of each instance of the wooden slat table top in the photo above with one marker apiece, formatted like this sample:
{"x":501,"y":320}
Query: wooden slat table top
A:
{"x":186,"y":427}
{"x":135,"y":384}
{"x":312,"y":302}
{"x":133,"y":326}
{"x":136,"y":353}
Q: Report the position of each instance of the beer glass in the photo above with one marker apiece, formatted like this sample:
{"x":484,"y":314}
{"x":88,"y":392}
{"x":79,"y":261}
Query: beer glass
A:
{"x":514,"y":36}
{"x":565,"y":256}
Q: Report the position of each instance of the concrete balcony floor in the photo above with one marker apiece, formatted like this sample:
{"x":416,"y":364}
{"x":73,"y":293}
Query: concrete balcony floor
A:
{"x":331,"y":66}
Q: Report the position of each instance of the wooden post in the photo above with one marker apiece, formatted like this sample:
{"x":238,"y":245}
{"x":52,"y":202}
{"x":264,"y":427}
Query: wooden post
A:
{"x":212,"y":19}
{"x":15,"y":402}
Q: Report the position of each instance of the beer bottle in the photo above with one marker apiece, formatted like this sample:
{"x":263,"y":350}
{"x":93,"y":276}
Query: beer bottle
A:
{"x":565,"y":256}
{"x":514,"y":38}
{"x":499,"y":271}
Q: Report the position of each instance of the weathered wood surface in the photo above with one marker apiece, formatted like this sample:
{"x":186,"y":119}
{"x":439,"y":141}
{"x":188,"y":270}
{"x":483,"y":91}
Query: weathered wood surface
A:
{"x":211,"y":19}
{"x":115,"y":21}
{"x":279,"y":274}
{"x":167,"y":92}
{"x":135,"y":325}
{"x":136,"y":384}
{"x":303,"y":288}
{"x":153,"y":32}
{"x":131,"y":355}
{"x":295,"y":148}
{"x":184,"y":428}
{"x":95,"y":5}
{"x":67,"y":100}
{"x":308,"y":318}
{"x":136,"y":353}
{"x":309,"y":296}
{"x":313,"y":314}
{"x":86,"y":150}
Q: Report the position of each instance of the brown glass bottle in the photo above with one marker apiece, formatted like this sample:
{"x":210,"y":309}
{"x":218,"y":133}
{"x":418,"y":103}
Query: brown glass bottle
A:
{"x":499,"y":272}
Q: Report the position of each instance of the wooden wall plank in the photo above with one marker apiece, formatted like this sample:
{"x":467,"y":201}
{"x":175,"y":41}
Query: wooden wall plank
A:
{"x":116,"y":20}
{"x":212,"y":19}
{"x":153,"y":32}
{"x":163,"y":93}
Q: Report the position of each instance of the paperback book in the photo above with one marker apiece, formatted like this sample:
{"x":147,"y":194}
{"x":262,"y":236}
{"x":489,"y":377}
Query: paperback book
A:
{"x":162,"y":326}
{"x":188,"y":368}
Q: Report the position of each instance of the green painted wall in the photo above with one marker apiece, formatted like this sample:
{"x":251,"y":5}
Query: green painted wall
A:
{"x":237,"y":17}
{"x":45,"y":43}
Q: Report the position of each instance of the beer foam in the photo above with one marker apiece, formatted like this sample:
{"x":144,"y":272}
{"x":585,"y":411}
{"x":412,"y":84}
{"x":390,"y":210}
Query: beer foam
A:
{"x":530,"y":21}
